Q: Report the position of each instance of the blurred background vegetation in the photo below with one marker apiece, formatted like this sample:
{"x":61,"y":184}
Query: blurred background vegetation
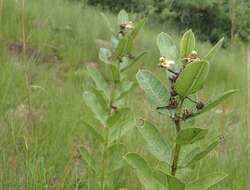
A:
{"x":41,"y":105}
{"x":211,"y":19}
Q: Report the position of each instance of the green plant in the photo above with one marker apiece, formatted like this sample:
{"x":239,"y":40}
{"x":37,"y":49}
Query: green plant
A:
{"x":107,"y":101}
{"x":187,"y":73}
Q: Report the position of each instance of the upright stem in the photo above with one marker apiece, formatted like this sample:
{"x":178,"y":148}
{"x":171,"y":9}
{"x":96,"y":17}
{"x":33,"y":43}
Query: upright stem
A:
{"x":177,"y":147}
{"x":103,"y":174}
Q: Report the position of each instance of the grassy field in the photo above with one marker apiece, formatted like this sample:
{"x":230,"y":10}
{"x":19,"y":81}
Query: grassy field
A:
{"x":41,"y":105}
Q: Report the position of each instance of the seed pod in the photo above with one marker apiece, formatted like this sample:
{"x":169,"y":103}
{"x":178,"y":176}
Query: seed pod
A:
{"x":199,"y":105}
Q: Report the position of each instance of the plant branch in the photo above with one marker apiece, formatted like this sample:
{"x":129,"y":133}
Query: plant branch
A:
{"x":190,"y":99}
{"x":171,"y":71}
{"x":177,"y":148}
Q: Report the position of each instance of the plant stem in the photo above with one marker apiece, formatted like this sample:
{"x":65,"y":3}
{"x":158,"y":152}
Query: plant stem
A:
{"x":103,"y":174}
{"x":171,"y":71}
{"x":177,"y":147}
{"x":103,"y":165}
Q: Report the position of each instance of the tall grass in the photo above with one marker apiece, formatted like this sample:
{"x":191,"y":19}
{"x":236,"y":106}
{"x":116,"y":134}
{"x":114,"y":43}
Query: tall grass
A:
{"x":44,"y":155}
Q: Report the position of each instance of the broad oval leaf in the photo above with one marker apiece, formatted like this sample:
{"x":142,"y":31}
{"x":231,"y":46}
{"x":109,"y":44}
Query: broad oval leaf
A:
{"x":100,"y":82}
{"x":187,"y":44}
{"x":206,"y":182}
{"x":123,"y":89}
{"x":123,"y":17}
{"x":114,"y":156}
{"x":156,"y":144}
{"x":119,"y":124}
{"x":133,"y":62}
{"x":105,"y":55}
{"x":143,"y":172}
{"x":192,"y":78}
{"x":167,"y":47}
{"x":114,"y":42}
{"x":215,"y":102}
{"x":156,"y":92}
{"x":190,"y":135}
{"x":175,"y":184}
{"x":172,"y":182}
{"x":211,"y":54}
{"x":202,"y":153}
{"x":95,"y":101}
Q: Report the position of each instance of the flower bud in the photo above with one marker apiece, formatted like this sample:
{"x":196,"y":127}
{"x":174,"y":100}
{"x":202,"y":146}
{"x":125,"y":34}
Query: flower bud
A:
{"x":129,"y":25}
{"x":192,"y":57}
{"x":164,"y":63}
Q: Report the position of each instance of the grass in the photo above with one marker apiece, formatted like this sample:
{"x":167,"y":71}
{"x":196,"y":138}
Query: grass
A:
{"x":41,"y":102}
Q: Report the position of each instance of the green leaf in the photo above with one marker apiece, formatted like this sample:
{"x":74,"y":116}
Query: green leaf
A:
{"x":123,"y":89}
{"x":156,"y":92}
{"x":206,"y":182}
{"x":133,"y":62}
{"x":143,"y":171}
{"x":175,"y":184}
{"x":114,"y":42}
{"x":201,"y":154}
{"x":190,"y":135}
{"x":87,"y":158}
{"x":95,"y":101}
{"x":155,"y":143}
{"x":105,"y":55}
{"x":124,"y":46}
{"x":119,"y":124}
{"x":122,"y":17}
{"x":192,"y":78}
{"x":187,"y":154}
{"x":211,"y":54}
{"x":215,"y":102}
{"x":112,"y":72}
{"x":121,"y":47}
{"x":187,"y":44}
{"x":167,"y":47}
{"x":129,"y":45}
{"x":100,"y":82}
{"x":114,"y":156}
{"x":96,"y":134}
{"x":138,"y":27}
{"x":169,"y":181}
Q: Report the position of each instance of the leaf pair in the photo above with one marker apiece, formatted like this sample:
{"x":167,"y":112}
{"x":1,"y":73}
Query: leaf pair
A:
{"x":188,"y":45}
{"x":157,"y":180}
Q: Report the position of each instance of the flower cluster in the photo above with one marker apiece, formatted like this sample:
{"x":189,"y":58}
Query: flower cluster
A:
{"x":165,"y":63}
{"x":192,"y":57}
